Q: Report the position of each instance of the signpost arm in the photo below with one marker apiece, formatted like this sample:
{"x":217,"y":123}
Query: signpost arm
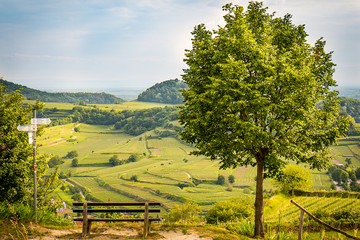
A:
{"x":35,"y":182}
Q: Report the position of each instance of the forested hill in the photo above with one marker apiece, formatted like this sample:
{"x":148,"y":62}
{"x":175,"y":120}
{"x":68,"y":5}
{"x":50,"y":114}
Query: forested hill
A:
{"x":33,"y":94}
{"x":164,"y":92}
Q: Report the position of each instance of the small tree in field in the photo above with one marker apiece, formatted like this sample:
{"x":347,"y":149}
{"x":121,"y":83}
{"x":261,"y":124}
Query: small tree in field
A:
{"x":75,"y":162}
{"x":231,"y":179}
{"x":259,"y":95}
{"x":220,"y":180}
{"x":293,"y":178}
{"x":114,"y":161}
{"x":72,"y":154}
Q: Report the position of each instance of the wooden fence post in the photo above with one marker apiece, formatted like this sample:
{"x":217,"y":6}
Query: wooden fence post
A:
{"x":146,"y":220}
{"x":323,"y":223}
{"x":301,"y":224}
{"x":85,"y":221}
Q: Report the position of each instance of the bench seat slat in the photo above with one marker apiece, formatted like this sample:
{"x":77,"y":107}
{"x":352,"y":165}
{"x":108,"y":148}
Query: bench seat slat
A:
{"x":118,"y":210}
{"x":116,"y":204}
{"x":118,"y":219}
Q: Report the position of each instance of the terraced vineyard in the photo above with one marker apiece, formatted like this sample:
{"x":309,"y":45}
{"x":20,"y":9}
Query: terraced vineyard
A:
{"x":288,"y":212}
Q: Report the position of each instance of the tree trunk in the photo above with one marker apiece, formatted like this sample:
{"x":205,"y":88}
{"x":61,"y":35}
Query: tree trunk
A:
{"x":259,"y":203}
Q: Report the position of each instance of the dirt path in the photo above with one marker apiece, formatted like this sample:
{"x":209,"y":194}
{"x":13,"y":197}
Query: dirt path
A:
{"x":105,"y":232}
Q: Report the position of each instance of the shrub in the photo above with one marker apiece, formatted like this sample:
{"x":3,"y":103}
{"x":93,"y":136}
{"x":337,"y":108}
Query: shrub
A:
{"x":134,"y":178}
{"x":220,"y":180}
{"x":54,"y":161}
{"x":346,"y":214}
{"x":75,"y":162}
{"x":114,"y":161}
{"x":234,"y":210}
{"x":72,"y":154}
{"x":187,"y":212}
{"x":231,"y":179}
{"x":77,"y":197}
{"x":133,"y":158}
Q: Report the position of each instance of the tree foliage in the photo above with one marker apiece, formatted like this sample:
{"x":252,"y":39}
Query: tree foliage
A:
{"x":15,"y":152}
{"x":72,"y":154}
{"x":164,"y":92}
{"x":187,"y":212}
{"x":259,"y":95}
{"x":55,"y":161}
{"x":233,"y":210}
{"x":293,"y":177}
{"x":75,"y":162}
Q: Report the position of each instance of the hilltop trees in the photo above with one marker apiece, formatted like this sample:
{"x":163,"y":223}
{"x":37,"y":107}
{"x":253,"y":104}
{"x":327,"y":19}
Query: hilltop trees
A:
{"x":164,"y":92}
{"x":259,"y":95}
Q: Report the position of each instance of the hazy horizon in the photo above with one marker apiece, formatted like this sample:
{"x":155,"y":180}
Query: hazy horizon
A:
{"x":135,"y":44}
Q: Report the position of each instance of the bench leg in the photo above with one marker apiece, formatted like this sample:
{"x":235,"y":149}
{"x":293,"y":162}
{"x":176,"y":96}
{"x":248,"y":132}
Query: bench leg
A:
{"x":88,"y":228}
{"x":149,"y":226}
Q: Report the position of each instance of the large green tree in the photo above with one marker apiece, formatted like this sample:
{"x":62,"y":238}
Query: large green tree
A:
{"x":259,"y":95}
{"x":15,"y":151}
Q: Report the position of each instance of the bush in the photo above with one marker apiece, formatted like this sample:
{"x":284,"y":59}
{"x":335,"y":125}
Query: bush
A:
{"x":114,"y":161}
{"x":75,"y":162}
{"x":346,"y":214}
{"x":228,"y":211}
{"x":134,"y":178}
{"x":133,"y":158}
{"x":231,"y":179}
{"x":77,"y":197}
{"x":186,"y":213}
{"x":220,"y":180}
{"x":54,"y":161}
{"x":72,"y":154}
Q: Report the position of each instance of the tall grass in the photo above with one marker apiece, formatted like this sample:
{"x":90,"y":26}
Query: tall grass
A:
{"x":25,"y":213}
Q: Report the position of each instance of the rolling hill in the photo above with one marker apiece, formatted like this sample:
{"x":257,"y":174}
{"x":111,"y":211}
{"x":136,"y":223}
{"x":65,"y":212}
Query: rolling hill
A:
{"x":87,"y":98}
{"x":164,"y":92}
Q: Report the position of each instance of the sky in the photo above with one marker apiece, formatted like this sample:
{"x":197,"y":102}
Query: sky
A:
{"x":92,"y":45}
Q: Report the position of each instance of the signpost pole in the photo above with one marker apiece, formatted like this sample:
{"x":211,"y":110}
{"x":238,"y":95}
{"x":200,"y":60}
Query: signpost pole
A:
{"x":35,"y":182}
{"x":32,"y":134}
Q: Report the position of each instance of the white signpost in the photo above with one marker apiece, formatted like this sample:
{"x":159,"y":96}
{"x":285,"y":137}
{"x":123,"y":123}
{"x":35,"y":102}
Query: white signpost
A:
{"x":27,"y":128}
{"x":32,"y":140}
{"x":40,"y":121}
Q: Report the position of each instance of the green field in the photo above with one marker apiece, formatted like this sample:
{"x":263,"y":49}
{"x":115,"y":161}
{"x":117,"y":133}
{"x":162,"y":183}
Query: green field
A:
{"x":131,"y":105}
{"x":347,"y":148}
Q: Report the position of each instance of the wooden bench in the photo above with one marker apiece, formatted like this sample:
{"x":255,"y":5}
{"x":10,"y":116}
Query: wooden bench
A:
{"x":87,"y":208}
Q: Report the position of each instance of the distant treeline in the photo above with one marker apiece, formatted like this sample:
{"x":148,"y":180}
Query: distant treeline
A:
{"x":164,"y":92}
{"x":62,"y":97}
{"x":131,"y":122}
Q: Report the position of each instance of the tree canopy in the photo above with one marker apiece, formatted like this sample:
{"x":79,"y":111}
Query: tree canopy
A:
{"x":15,"y":151}
{"x":292,"y":178}
{"x":259,"y":95}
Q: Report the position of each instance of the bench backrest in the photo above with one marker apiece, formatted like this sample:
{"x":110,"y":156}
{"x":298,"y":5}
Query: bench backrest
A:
{"x":122,"y":210}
